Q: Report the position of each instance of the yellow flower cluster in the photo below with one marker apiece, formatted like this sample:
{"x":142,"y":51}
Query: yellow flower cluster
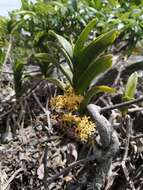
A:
{"x":84,"y":127}
{"x":69,"y":100}
{"x":79,"y":127}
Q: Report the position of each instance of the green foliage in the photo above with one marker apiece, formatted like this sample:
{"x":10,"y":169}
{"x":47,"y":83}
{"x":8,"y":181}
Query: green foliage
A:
{"x":89,"y":60}
{"x":68,"y":18}
{"x":30,"y":25}
{"x":125,"y":15}
{"x":18,"y":69}
{"x":1,"y":57}
{"x":83,"y":37}
{"x":91,"y":52}
{"x":95,"y":90}
{"x":44,"y":61}
{"x":131,"y":87}
{"x":130,"y":90}
{"x":3,"y":31}
{"x":94,"y":69}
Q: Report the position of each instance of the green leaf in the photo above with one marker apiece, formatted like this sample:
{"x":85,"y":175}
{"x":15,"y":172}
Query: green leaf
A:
{"x":97,"y":67}
{"x":64,"y":43}
{"x":74,"y":4}
{"x":41,"y":56}
{"x":25,"y":4}
{"x":3,"y":26}
{"x":1,"y":57}
{"x":93,"y":50}
{"x":97,"y":4}
{"x":66,"y":72}
{"x":45,"y":8}
{"x":56,"y":82}
{"x":44,"y":62}
{"x":18,"y":69}
{"x":94,"y":90}
{"x":83,"y":37}
{"x":39,"y":36}
{"x":16,"y":26}
{"x":129,"y":91}
{"x":46,"y":57}
{"x":25,"y":12}
{"x":131,"y":87}
{"x":64,"y":53}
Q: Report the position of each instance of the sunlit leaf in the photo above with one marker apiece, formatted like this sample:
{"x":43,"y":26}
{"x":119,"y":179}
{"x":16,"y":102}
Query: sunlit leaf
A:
{"x":56,"y":82}
{"x":45,"y":8}
{"x":95,"y":90}
{"x":25,"y":4}
{"x":131,"y":87}
{"x":42,"y":57}
{"x":1,"y":57}
{"x":64,"y":53}
{"x":83,"y":37}
{"x":97,"y":67}
{"x":93,"y":50}
{"x":64,"y":43}
{"x":24,"y":12}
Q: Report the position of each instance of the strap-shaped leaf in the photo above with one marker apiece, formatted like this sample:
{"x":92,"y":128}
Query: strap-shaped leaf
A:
{"x":66,"y":72}
{"x":64,"y":43}
{"x":44,"y":57}
{"x":56,"y":82}
{"x":18,"y":69}
{"x":131,"y":87}
{"x":64,"y":53}
{"x":1,"y":57}
{"x":83,"y":37}
{"x":93,"y":50}
{"x":25,"y":12}
{"x":95,"y":90}
{"x":44,"y":62}
{"x":50,"y":59}
{"x":129,"y":91}
{"x":97,"y":67}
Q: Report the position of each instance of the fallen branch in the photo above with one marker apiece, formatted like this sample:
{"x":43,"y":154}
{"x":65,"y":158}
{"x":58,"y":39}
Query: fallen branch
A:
{"x":129,"y":124}
{"x":45,"y":167}
{"x":70,"y":167}
{"x":47,"y":112}
{"x":137,"y":137}
{"x":121,"y":105}
{"x":11,"y":178}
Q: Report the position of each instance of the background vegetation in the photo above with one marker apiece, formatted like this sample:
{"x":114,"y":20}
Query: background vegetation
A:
{"x":61,"y":55}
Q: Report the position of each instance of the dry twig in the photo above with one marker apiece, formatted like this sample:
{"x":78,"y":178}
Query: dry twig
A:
{"x":70,"y":167}
{"x":5,"y":186}
{"x":121,"y":105}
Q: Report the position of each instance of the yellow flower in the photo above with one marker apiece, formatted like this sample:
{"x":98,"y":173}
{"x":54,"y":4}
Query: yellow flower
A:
{"x":69,"y":100}
{"x":81,"y":127}
{"x":84,"y":127}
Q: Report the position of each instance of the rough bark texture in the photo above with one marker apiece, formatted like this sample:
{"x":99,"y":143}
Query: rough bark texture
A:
{"x":107,"y":151}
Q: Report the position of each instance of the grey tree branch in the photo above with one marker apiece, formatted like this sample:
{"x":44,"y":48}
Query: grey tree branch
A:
{"x":110,"y":146}
{"x":102,"y":124}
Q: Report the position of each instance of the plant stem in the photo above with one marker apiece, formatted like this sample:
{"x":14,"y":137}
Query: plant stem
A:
{"x":121,"y":105}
